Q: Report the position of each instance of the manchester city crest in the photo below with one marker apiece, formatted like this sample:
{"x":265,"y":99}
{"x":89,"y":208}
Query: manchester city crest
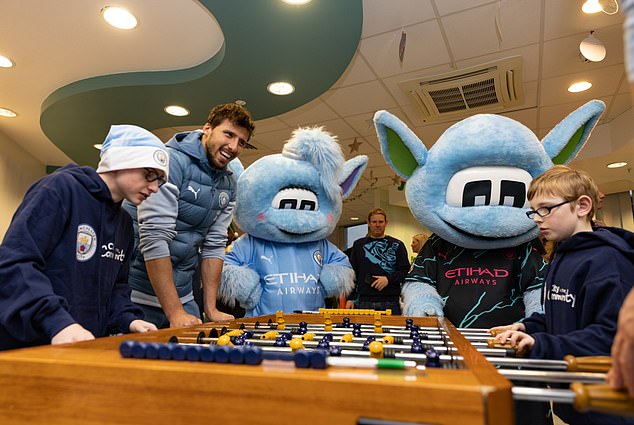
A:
{"x":223,"y":199}
{"x":86,"y":242}
{"x":160,"y":157}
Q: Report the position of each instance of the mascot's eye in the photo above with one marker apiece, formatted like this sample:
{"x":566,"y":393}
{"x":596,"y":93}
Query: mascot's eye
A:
{"x":476,"y":193}
{"x":512,"y":193}
{"x":295,"y":198}
{"x":482,"y":186}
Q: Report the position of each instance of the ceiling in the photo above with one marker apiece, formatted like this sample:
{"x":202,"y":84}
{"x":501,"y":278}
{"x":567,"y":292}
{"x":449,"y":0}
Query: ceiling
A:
{"x":74,"y":75}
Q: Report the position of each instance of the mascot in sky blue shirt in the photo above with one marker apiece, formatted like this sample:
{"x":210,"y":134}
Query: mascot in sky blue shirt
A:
{"x":481,"y":267}
{"x":288,"y":204}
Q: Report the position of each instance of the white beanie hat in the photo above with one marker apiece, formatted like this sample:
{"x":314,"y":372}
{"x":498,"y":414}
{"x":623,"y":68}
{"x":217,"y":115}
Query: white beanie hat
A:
{"x":129,"y":146}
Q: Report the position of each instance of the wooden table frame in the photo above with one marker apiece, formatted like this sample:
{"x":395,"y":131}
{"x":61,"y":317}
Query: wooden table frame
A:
{"x":90,"y":383}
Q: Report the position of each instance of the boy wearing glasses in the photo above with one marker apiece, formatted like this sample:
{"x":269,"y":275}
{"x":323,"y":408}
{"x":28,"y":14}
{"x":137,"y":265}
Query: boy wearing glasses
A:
{"x":188,"y":219}
{"x":586,"y":283}
{"x":65,"y":257}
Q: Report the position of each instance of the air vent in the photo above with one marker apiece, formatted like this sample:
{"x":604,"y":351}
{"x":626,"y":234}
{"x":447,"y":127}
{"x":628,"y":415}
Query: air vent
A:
{"x":491,"y":87}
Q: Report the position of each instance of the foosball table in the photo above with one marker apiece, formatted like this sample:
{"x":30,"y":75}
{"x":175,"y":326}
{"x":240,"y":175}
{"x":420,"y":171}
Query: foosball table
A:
{"x":337,"y":366}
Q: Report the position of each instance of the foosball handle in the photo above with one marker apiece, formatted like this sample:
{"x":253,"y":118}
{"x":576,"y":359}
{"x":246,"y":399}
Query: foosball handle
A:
{"x":588,"y":364}
{"x":602,"y":398}
{"x":492,"y":343}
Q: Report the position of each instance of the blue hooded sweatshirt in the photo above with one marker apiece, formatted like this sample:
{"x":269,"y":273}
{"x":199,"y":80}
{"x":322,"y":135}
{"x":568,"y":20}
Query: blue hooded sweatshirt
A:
{"x":65,"y":260}
{"x":586,"y":284}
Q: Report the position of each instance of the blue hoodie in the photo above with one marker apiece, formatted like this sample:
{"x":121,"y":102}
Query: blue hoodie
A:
{"x":64,"y":260}
{"x":586,"y":284}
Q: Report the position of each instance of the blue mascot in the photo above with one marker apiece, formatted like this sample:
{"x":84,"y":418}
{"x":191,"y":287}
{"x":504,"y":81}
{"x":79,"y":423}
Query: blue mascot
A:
{"x":288,"y":204}
{"x":481,"y":267}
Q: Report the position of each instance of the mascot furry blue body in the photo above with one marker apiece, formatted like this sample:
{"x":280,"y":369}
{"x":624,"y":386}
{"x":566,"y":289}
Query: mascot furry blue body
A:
{"x":479,"y":268}
{"x":288,"y":204}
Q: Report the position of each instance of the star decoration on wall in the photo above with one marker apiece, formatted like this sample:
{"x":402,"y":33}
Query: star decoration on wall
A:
{"x":354,"y":146}
{"x":396,"y":180}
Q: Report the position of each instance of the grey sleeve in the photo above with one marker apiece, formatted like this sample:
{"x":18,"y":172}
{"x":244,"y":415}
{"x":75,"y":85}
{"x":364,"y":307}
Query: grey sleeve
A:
{"x":216,"y":238}
{"x":157,"y":222}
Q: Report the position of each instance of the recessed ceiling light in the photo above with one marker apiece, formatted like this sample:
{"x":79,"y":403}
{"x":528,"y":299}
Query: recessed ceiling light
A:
{"x":280,"y":88}
{"x":296,"y":1}
{"x":177,"y":111}
{"x":119,"y":17}
{"x":5,"y":62}
{"x":592,"y":48}
{"x":97,"y":146}
{"x":354,"y":218}
{"x":8,"y":113}
{"x":580,"y":86}
{"x":591,"y":6}
{"x":617,"y":164}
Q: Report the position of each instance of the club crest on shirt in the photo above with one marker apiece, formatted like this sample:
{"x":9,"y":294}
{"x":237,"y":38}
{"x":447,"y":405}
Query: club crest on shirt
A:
{"x":223,"y":199}
{"x":318,"y":258}
{"x":86,"y":242}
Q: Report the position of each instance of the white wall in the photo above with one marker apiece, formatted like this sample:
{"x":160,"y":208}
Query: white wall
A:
{"x":617,"y":211}
{"x":18,"y":170}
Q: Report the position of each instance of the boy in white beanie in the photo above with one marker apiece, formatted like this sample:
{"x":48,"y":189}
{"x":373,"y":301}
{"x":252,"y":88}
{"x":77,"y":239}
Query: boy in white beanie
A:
{"x":64,"y":260}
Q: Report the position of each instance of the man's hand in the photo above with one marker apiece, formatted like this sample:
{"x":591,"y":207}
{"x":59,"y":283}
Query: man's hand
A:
{"x":72,"y":333}
{"x":379,"y":283}
{"x":141,"y":326}
{"x":183,"y":319}
{"x":218,"y":316}
{"x":350,"y":304}
{"x":622,"y":373}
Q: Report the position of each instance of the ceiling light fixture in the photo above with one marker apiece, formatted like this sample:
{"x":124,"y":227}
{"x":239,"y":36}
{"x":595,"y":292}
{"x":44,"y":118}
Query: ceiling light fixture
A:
{"x":591,"y":6}
{"x":617,"y":164}
{"x":592,"y":48}
{"x":296,"y":1}
{"x":579,"y":87}
{"x":119,"y":17}
{"x":281,"y":88}
{"x":354,"y":218}
{"x":177,"y":111}
{"x":5,"y":62}
{"x":7,"y":113}
{"x":97,"y":146}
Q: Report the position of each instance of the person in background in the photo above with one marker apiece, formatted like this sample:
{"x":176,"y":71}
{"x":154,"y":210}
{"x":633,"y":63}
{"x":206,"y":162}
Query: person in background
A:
{"x":380,"y":264}
{"x":622,"y":373}
{"x":585,"y":284}
{"x":418,"y":241}
{"x":190,"y":213}
{"x":64,"y":260}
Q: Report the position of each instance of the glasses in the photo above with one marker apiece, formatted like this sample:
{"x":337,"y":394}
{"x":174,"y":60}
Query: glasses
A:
{"x":544,"y":211}
{"x":151,"y":175}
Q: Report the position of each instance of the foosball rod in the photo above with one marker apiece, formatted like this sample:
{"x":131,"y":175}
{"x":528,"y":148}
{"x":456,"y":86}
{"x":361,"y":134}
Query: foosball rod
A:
{"x":429,"y":334}
{"x":484,"y":342}
{"x":369,"y":326}
{"x":572,"y":364}
{"x":358,"y":346}
{"x":584,"y":397}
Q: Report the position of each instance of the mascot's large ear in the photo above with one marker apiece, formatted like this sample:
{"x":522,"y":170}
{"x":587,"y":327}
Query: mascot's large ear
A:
{"x":565,"y":140}
{"x":236,"y":167}
{"x":352,"y":170}
{"x":402,"y":150}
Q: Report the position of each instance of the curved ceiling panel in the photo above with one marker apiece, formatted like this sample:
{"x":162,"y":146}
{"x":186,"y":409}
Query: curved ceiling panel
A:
{"x":265,"y":40}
